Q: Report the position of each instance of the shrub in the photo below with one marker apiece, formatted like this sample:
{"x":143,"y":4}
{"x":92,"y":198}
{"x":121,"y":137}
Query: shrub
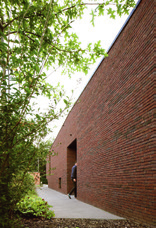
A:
{"x":19,"y":185}
{"x":22,"y":186}
{"x":34,"y":206}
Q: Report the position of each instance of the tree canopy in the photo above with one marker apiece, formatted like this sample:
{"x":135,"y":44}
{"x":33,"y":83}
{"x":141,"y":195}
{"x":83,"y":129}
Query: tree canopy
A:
{"x":36,"y":34}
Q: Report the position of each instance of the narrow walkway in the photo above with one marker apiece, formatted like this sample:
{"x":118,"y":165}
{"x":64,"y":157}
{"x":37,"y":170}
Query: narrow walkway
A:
{"x":64,"y":207}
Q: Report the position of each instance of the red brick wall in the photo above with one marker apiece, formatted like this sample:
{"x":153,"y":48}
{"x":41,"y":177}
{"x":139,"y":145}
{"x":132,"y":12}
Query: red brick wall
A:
{"x":113,"y":122}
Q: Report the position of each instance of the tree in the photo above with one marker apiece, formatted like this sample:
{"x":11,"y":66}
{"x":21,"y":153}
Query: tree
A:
{"x":36,"y":35}
{"x":39,"y":161}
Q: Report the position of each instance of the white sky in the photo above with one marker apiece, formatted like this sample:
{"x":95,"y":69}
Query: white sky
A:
{"x":106,"y":30}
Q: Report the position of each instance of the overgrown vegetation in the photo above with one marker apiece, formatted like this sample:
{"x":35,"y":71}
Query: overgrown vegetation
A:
{"x":33,"y":205}
{"x":19,"y":188}
{"x":35,"y":35}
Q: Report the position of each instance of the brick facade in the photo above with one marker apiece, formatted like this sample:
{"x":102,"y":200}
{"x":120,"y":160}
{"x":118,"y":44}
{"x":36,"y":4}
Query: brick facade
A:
{"x":110,"y":129}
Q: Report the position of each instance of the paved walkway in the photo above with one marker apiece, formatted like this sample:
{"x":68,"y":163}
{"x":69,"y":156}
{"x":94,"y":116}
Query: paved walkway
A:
{"x":64,"y":207}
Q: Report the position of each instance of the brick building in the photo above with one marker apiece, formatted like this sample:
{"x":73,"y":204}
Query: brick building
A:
{"x":110,"y":129}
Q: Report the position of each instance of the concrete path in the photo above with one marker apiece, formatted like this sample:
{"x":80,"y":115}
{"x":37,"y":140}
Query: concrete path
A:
{"x":64,"y":207}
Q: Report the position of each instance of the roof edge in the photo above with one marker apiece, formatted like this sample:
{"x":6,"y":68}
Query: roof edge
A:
{"x":124,"y":25}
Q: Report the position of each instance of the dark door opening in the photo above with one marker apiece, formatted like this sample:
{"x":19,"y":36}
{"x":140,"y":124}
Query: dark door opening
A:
{"x":71,"y":159}
{"x":60,"y":182}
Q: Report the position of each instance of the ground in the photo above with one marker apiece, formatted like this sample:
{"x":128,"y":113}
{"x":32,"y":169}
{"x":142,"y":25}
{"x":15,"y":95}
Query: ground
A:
{"x":80,"y":223}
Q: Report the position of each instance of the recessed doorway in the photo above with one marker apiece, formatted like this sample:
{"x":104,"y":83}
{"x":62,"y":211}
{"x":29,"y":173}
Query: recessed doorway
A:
{"x":71,"y":158}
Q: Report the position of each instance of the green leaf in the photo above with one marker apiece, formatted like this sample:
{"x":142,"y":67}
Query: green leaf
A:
{"x":37,"y":68}
{"x":111,"y":13}
{"x":65,"y":101}
{"x":2,"y":34}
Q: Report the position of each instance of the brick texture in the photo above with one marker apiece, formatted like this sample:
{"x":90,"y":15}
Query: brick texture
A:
{"x":113,"y":124}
